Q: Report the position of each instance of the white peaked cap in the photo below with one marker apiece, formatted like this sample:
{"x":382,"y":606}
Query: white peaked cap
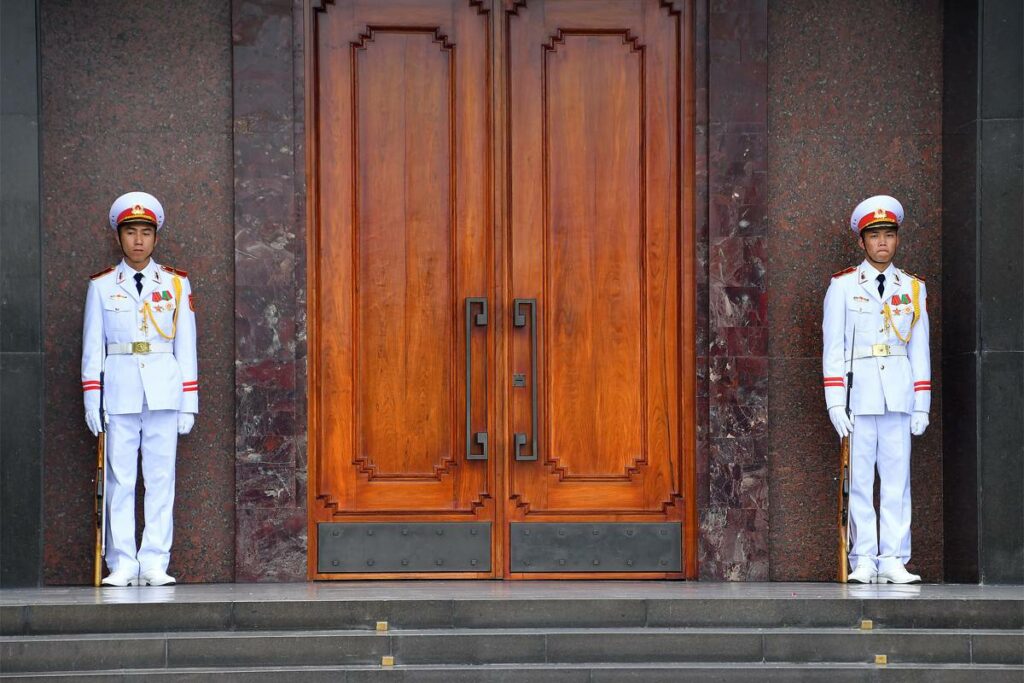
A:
{"x":136,"y":207}
{"x":874,"y":211}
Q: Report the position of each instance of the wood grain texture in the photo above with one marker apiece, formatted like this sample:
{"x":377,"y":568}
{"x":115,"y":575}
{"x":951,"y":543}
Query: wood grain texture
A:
{"x":595,"y":229}
{"x":527,"y":150}
{"x":403,"y":236}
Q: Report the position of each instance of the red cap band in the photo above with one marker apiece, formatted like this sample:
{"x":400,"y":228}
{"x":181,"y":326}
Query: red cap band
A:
{"x":136,"y":213}
{"x":877,"y":216}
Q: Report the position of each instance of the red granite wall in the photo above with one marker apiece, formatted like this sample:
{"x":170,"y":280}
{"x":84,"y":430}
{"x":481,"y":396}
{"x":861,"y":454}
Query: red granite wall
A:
{"x":137,"y":95}
{"x":797,"y":118}
{"x":854,"y":109}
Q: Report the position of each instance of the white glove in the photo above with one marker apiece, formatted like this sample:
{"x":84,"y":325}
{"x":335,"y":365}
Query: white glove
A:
{"x":918,"y":423}
{"x":840,"y":420}
{"x":92,"y":421}
{"x":185,"y":422}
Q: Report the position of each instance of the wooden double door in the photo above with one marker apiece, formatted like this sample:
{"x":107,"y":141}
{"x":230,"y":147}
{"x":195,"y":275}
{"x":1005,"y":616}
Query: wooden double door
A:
{"x":501,"y":317}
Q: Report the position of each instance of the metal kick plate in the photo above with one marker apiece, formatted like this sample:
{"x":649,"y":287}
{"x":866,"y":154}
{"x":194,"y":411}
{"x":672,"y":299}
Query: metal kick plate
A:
{"x":606,"y":547}
{"x":385,"y":547}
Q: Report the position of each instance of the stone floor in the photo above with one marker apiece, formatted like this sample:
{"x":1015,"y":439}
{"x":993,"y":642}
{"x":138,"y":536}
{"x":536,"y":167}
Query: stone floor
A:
{"x":497,"y":590}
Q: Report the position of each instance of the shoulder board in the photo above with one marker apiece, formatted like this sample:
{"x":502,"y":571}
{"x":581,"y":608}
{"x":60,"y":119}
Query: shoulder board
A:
{"x":105,"y":271}
{"x":847,"y":271}
{"x":179,"y":273}
{"x":916,"y":277}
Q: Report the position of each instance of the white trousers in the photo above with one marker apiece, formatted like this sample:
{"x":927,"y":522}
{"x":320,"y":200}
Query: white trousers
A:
{"x":880,"y":442}
{"x":156,"y":432}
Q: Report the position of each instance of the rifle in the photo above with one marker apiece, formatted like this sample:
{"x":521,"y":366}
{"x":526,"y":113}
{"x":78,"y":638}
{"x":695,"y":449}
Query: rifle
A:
{"x":101,"y":490}
{"x":844,"y":482}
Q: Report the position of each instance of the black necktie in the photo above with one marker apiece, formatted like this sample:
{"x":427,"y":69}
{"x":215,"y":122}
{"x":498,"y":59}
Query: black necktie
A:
{"x":138,"y":283}
{"x":880,"y":278}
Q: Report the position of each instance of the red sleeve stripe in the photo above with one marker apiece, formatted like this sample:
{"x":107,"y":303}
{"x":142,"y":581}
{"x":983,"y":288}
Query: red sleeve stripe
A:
{"x":923,"y":381}
{"x":834,"y":384}
{"x":191,"y":381}
{"x":838,"y":378}
{"x":91,"y":385}
{"x":922,"y":388}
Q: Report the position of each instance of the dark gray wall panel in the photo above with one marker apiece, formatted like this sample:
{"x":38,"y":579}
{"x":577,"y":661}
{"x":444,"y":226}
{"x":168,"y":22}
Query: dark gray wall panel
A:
{"x":1001,"y":270}
{"x":21,"y":359}
{"x":960,"y":469}
{"x":959,"y":244}
{"x":982,"y":284}
{"x":1001,"y":404}
{"x":1002,"y":90}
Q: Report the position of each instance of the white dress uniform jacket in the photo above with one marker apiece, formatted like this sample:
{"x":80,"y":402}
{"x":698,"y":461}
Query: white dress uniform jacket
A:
{"x":859,"y":324}
{"x":116,"y":313}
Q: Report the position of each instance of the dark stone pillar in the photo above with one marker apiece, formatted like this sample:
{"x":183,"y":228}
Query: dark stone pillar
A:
{"x":983,"y":281}
{"x":734,"y":520}
{"x":21,"y":351}
{"x":270,"y":233}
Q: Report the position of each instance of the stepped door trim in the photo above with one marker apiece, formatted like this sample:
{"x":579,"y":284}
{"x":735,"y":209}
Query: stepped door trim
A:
{"x":499,"y":414}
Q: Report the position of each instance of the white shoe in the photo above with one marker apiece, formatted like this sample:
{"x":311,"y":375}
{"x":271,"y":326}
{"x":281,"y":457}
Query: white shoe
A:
{"x":155,"y":577}
{"x":121,"y":578}
{"x":864,"y":573}
{"x":898,"y":574}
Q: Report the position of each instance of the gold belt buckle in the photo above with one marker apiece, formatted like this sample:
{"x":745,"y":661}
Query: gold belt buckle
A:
{"x":879,"y":349}
{"x":140,"y":347}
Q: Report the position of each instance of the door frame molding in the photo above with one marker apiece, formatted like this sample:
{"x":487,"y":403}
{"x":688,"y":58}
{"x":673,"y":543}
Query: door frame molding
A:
{"x":501,"y":9}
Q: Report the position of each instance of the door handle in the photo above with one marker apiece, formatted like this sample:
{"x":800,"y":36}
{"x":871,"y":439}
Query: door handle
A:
{"x":519,"y":320}
{"x":474,"y":320}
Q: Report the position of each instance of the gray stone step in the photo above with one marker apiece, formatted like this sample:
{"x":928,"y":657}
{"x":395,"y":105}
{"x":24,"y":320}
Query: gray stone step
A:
{"x":555,"y":673}
{"x":506,"y":646}
{"x":228,"y":615}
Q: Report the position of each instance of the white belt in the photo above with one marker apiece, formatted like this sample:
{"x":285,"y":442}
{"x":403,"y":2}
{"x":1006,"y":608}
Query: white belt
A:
{"x":878,"y":351}
{"x":140,"y":347}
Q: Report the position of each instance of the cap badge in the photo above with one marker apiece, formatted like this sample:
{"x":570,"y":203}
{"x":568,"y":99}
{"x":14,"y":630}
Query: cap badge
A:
{"x":880,"y":214}
{"x":137,"y":210}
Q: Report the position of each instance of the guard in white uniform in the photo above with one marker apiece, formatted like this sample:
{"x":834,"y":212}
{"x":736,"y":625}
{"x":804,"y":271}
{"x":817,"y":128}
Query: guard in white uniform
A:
{"x":876,"y":316}
{"x":140,"y":332}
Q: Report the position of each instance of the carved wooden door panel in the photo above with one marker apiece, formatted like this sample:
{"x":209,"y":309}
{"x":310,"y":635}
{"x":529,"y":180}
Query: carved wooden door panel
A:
{"x":597,"y":272}
{"x":501,"y":320}
{"x":402,"y":238}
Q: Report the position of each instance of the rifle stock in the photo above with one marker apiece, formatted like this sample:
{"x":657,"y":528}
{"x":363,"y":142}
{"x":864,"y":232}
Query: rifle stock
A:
{"x":844,"y":478}
{"x":844,"y":506}
{"x":101,"y":482}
